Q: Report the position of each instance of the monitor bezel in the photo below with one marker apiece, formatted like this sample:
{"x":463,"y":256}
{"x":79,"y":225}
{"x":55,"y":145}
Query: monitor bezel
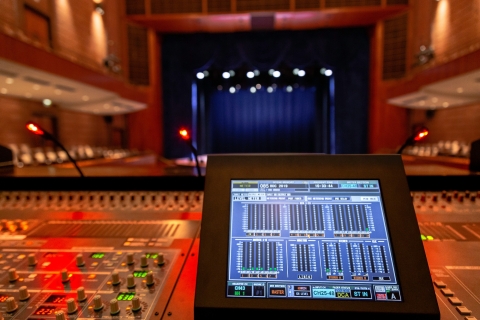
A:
{"x":409,"y":257}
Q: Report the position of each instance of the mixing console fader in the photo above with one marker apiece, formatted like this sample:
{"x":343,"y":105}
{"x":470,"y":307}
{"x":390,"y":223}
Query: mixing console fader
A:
{"x":449,"y":223}
{"x":93,"y":255}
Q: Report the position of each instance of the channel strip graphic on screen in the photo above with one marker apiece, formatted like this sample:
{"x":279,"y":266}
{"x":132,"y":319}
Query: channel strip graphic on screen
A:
{"x":310,"y":239}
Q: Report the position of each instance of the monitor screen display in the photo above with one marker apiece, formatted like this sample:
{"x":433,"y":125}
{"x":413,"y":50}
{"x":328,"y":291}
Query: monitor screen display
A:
{"x":310,"y":239}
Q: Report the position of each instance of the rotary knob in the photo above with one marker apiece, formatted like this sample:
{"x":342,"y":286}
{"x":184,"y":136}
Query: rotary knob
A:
{"x":23,"y":293}
{"x":11,"y":304}
{"x":60,"y":315}
{"x":114,"y":309}
{"x":136,"y":306}
{"x":150,"y":280}
{"x":130,"y":281}
{"x":32,"y":260}
{"x":71,"y":306}
{"x":80,"y":260}
{"x":81,"y":294}
{"x":143,"y":261}
{"x":65,"y":276}
{"x":12,"y":275}
{"x":115,"y":278}
{"x":97,"y":303}
{"x":161,"y":259}
{"x":130,"y":259}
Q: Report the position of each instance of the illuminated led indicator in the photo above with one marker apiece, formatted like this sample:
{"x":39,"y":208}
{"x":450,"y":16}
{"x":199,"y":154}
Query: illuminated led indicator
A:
{"x":151,"y":255}
{"x":429,"y":238}
{"x":97,"y":255}
{"x":45,"y":310}
{"x":125,"y":296}
{"x":3,"y":297}
{"x":56,"y":299}
{"x":140,"y":273}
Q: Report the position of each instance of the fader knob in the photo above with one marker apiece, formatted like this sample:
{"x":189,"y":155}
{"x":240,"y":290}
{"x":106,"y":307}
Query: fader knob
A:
{"x":115,"y":278}
{"x":130,"y":260}
{"x":114,"y":309}
{"x":60,"y":315}
{"x":460,"y":198}
{"x":130,"y":281}
{"x":65,"y":276}
{"x":23,"y":293}
{"x":11,"y":304}
{"x":150,"y":280}
{"x":32,"y":260}
{"x":12,"y":275}
{"x":435,"y":198}
{"x":444,"y":194}
{"x":71,"y":306}
{"x":161,"y":259}
{"x":81,"y":294}
{"x":97,"y":303}
{"x":143,"y":261}
{"x":136,"y":306}
{"x":80,"y":261}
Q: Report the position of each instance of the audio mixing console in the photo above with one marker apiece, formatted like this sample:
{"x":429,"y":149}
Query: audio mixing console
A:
{"x":132,"y":254}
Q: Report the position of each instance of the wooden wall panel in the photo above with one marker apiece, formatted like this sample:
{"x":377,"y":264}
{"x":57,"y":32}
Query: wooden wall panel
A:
{"x":73,"y":128}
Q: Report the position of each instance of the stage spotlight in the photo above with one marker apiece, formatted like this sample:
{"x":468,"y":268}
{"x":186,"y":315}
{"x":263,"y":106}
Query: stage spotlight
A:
{"x":200,"y":75}
{"x":238,"y":87}
{"x":258,"y":86}
{"x":271,"y":71}
{"x":301,"y":73}
{"x":232,"y":90}
{"x":289,"y":89}
{"x":322,"y":71}
{"x":295,"y":71}
{"x":328,"y":72}
{"x":226,"y":75}
{"x":253,"y":90}
{"x":269,"y":89}
{"x":256,"y":73}
{"x":232,"y":73}
{"x":250,"y":74}
{"x":206,"y":73}
{"x":276,"y":74}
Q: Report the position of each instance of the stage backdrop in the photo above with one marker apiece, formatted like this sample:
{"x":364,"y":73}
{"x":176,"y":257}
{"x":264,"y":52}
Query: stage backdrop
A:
{"x":344,"y":51}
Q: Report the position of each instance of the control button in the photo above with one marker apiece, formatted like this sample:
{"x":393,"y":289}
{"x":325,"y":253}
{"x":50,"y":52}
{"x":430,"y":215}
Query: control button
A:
{"x":434,"y":198}
{"x":136,"y":306}
{"x":23,"y":292}
{"x":467,"y":194}
{"x":150,"y":280}
{"x":464,"y":311}
{"x":444,"y":194}
{"x":97,"y":303}
{"x":130,"y":260}
{"x":439,"y":284}
{"x":71,"y":306}
{"x":455,"y":301}
{"x":32,"y":260}
{"x":114,"y":309}
{"x":143,"y":261}
{"x":81,"y":294}
{"x":130,"y":281}
{"x":470,"y":318}
{"x":449,"y":198}
{"x":115,"y":278}
{"x":12,"y":275}
{"x":60,"y":315}
{"x":11,"y":304}
{"x":455,"y":194}
{"x":80,"y":261}
{"x":460,"y":198}
{"x":447,"y":292}
{"x":161,"y":259}
{"x":65,"y":276}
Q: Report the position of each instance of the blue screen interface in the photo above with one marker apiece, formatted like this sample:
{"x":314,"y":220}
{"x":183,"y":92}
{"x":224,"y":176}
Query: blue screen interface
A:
{"x":310,"y":239}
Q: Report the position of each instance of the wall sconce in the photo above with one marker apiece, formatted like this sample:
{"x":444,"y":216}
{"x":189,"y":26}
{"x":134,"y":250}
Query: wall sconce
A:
{"x":99,"y":7}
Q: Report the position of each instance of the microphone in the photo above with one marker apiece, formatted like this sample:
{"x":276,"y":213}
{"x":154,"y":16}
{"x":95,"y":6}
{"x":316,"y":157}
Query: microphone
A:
{"x":186,"y":136}
{"x":36,"y":129}
{"x":418,"y":135}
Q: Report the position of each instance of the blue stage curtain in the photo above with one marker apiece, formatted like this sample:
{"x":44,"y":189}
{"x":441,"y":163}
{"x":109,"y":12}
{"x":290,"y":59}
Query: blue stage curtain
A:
{"x":345,"y":51}
{"x":261,"y":121}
